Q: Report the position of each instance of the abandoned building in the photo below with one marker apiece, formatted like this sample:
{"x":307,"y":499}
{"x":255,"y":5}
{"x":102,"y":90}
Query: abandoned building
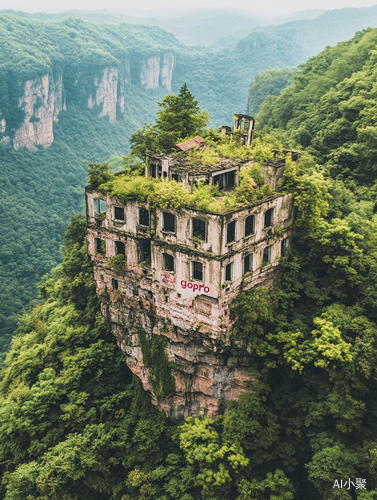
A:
{"x":244,"y":125}
{"x":182,"y":270}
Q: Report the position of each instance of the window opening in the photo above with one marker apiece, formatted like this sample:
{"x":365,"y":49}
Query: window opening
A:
{"x":231,"y":232}
{"x":199,"y":229}
{"x":143,"y":217}
{"x":229,"y":272}
{"x":153,"y":170}
{"x":175,"y":177}
{"x":268,"y":217}
{"x":197,"y":271}
{"x":165,"y":174}
{"x":267,"y":255}
{"x":115,"y":284}
{"x":248,"y":263}
{"x":249,"y":225}
{"x":100,"y":246}
{"x":99,"y":206}
{"x":145,"y":254}
{"x":226,"y":180}
{"x":120,"y":248}
{"x":168,"y":262}
{"x":159,"y":170}
{"x":168,"y":222}
{"x":119,"y":213}
{"x":284,"y":246}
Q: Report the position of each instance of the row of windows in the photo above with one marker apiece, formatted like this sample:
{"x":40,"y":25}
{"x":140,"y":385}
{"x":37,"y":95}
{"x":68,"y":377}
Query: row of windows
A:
{"x":168,"y":260}
{"x":199,"y":226}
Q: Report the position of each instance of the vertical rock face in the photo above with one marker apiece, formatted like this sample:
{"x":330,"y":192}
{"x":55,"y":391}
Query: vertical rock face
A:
{"x":167,"y":70}
{"x":42,"y":104}
{"x":43,"y":99}
{"x":155,"y":72}
{"x":106,"y":93}
{"x":150,"y":73}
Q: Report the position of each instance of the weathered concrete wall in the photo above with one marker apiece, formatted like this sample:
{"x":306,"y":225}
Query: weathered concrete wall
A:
{"x":212,"y":368}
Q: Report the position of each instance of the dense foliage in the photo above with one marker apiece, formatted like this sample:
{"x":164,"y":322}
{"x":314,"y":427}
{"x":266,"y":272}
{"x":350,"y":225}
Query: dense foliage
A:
{"x":268,"y":83}
{"x":40,"y":190}
{"x":330,"y":108}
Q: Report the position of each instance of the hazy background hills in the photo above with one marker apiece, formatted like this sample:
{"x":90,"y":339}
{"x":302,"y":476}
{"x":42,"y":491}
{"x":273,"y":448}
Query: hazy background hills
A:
{"x":73,"y":90}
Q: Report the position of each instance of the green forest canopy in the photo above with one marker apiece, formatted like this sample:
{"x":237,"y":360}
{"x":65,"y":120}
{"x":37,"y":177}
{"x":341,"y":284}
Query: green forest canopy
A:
{"x":268,"y":83}
{"x":330,"y":108}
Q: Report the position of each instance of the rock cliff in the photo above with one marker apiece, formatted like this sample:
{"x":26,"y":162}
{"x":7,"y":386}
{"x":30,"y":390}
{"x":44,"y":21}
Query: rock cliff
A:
{"x":44,"y":98}
{"x":42,"y":102}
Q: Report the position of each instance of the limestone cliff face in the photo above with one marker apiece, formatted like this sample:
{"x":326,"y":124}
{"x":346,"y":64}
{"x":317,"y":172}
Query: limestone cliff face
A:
{"x":42,"y":102}
{"x":43,"y":99}
{"x":209,"y":371}
{"x":158,"y":71}
{"x":106,"y":93}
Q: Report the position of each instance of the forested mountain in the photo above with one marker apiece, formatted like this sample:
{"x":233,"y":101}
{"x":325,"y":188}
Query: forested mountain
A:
{"x":330,"y":108}
{"x":268,"y":83}
{"x":72,"y":91}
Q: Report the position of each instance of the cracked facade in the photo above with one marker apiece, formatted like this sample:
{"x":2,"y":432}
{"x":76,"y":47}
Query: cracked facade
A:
{"x":180,"y":273}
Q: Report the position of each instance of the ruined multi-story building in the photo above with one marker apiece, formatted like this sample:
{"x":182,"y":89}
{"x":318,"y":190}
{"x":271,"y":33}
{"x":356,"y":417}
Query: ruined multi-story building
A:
{"x":182,"y":269}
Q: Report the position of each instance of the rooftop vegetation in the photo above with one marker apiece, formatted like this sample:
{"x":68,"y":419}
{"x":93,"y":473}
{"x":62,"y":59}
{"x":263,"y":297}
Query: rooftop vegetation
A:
{"x":133,"y":186}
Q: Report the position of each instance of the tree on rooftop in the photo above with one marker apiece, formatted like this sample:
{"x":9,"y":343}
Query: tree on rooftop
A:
{"x":180,"y":117}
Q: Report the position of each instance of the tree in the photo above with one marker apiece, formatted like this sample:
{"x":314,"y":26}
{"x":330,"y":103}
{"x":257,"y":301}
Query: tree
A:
{"x":180,"y":117}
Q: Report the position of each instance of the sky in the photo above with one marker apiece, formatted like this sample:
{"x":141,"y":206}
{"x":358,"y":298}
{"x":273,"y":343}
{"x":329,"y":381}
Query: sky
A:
{"x":162,"y":7}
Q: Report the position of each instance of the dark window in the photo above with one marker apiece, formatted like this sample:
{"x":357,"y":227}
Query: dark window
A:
{"x":197,"y":271}
{"x":229,"y":272}
{"x":99,"y":222}
{"x":284,"y":246}
{"x":230,"y":178}
{"x":115,"y":284}
{"x":143,"y":217}
{"x":248,"y":263}
{"x":231,"y":232}
{"x":120,"y":248}
{"x":165,"y":174}
{"x":153,"y":171}
{"x":199,"y":229}
{"x":267,"y":255}
{"x":269,"y":217}
{"x":119,"y":213}
{"x":100,"y":246}
{"x":168,"y":222}
{"x":249,"y":225}
{"x":144,"y":249}
{"x":175,"y":177}
{"x":159,"y":170}
{"x":168,"y":262}
{"x":226,"y":180}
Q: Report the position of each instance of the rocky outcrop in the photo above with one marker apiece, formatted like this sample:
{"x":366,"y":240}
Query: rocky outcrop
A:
{"x":43,"y":99}
{"x":156,"y":72}
{"x":208,"y":371}
{"x":106,"y":93}
{"x":42,"y":102}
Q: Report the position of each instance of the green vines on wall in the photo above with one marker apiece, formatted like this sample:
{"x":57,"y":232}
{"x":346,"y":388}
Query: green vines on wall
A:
{"x":156,"y":359}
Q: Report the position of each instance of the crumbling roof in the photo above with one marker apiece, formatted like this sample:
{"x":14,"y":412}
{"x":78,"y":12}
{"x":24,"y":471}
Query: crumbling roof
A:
{"x":185,"y":165}
{"x":247,"y":117}
{"x":196,"y":142}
